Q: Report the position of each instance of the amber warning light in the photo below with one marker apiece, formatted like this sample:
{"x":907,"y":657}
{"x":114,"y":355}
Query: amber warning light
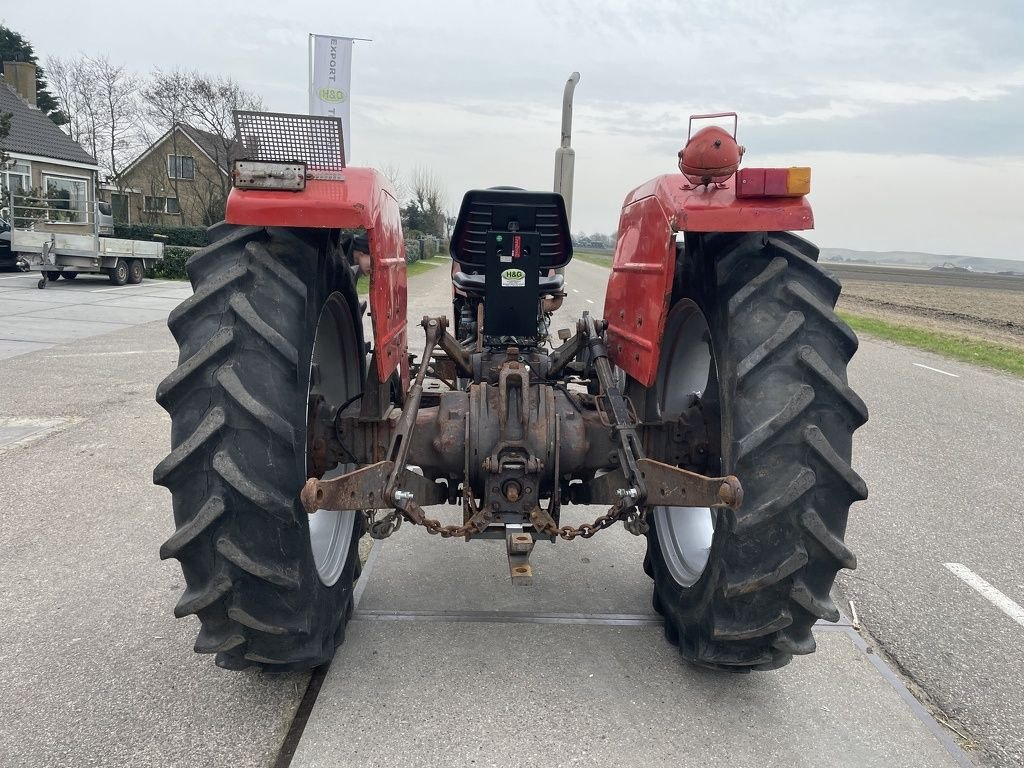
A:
{"x":773,"y":182}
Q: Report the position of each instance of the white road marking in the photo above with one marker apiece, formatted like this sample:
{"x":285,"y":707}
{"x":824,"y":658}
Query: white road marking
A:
{"x":575,"y":290}
{"x":590,"y":301}
{"x":114,"y":354}
{"x":15,"y":277}
{"x":986,"y":590}
{"x":118,"y":288}
{"x":944,"y":373}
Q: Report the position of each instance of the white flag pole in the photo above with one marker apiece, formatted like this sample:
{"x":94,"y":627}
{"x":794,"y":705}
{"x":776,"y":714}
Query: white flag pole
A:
{"x":330,"y":79}
{"x":309,"y":56}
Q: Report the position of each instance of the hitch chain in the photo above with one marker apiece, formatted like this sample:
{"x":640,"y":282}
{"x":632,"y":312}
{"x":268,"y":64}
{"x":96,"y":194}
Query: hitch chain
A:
{"x":381,"y":529}
{"x":413,"y":512}
{"x":623,"y":510}
{"x":632,"y":520}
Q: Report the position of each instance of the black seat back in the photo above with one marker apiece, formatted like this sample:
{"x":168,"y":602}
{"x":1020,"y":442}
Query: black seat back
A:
{"x":506,"y":210}
{"x":507,"y":241}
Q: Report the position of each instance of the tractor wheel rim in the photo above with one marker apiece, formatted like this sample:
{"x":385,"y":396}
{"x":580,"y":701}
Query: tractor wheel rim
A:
{"x":334,"y":348}
{"x":687,"y":367}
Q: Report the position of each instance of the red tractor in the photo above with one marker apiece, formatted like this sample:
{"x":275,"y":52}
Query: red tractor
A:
{"x":707,"y":408}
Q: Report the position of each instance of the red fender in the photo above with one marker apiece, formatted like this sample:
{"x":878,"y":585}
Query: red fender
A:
{"x":364,"y":200}
{"x":640,"y":287}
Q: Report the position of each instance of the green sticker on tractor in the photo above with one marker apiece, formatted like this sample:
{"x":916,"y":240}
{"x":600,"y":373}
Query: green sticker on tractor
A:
{"x":513,"y":278}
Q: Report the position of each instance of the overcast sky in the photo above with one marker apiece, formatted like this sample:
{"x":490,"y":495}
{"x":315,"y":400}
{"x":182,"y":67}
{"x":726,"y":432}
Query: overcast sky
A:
{"x":910,"y":112}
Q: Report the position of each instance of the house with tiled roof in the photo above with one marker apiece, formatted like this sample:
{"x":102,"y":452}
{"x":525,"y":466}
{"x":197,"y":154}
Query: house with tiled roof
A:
{"x":183,"y":178}
{"x":42,"y":159}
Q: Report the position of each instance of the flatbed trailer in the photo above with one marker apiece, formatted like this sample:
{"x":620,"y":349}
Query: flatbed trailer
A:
{"x":40,"y":242}
{"x":55,"y":254}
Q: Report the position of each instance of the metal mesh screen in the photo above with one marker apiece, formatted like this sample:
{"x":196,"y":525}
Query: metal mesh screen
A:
{"x":279,"y":137}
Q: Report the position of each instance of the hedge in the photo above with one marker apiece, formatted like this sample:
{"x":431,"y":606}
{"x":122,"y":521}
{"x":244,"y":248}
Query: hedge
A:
{"x":194,"y":237}
{"x":172,"y":267}
{"x":417,"y":248}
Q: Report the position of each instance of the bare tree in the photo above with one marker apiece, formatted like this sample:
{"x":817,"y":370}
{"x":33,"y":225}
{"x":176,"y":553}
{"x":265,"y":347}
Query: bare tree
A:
{"x":117,"y":91}
{"x":393,"y":173}
{"x":73,"y":86}
{"x":100,"y":102}
{"x":64,"y":82}
{"x":207,"y":103}
{"x":428,"y":196}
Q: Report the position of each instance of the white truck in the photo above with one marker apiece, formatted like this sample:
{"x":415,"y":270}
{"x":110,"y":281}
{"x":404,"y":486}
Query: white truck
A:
{"x":46,"y":245}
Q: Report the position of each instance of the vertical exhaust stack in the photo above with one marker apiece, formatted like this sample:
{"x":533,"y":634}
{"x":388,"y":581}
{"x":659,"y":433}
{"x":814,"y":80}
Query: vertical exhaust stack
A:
{"x":565,"y":157}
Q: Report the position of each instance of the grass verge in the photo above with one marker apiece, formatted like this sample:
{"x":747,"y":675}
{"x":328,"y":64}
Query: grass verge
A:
{"x":955,"y":346}
{"x":600,"y":258}
{"x":411,"y":270}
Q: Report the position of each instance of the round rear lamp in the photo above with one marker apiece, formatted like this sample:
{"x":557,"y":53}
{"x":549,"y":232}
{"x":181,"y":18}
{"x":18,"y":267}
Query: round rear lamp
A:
{"x":711,"y":156}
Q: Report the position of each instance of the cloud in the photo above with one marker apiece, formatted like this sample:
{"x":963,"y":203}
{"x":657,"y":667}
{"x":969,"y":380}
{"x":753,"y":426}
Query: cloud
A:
{"x":883,"y":95}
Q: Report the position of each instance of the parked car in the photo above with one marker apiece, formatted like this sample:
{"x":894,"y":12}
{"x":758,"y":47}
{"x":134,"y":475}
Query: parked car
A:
{"x":104,"y":219}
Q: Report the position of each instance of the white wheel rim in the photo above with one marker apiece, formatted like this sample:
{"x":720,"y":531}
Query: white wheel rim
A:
{"x":334,"y":347}
{"x":684,"y":533}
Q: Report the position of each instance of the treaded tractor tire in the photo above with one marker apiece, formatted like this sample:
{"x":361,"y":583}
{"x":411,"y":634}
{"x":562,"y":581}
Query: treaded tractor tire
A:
{"x":787,"y":421}
{"x":238,"y":406}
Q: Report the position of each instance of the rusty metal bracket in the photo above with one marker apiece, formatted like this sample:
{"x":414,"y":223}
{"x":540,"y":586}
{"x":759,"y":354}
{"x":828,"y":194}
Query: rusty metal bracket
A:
{"x":519,"y":374}
{"x":567,"y":352}
{"x":666,"y":486}
{"x":674,"y":487}
{"x":543,"y":522}
{"x":519,"y":545}
{"x":456,"y":353}
{"x":398,"y":452}
{"x":360,"y":489}
{"x":364,"y":489}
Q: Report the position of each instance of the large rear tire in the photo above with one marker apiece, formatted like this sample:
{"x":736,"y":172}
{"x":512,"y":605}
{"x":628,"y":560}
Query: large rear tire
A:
{"x":274,"y":317}
{"x":741,"y":590}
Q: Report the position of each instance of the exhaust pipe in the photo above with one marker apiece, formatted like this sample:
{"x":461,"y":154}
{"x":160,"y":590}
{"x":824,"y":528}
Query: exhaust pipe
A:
{"x":565,"y":157}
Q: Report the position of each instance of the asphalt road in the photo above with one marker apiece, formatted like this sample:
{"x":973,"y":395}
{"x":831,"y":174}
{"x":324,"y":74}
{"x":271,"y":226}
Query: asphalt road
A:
{"x":565,"y":672}
{"x":942,"y":278}
{"x":33,"y":319}
{"x":941,"y":457}
{"x":94,"y":670}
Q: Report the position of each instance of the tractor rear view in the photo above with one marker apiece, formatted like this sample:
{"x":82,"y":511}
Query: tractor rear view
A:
{"x":707,"y":408}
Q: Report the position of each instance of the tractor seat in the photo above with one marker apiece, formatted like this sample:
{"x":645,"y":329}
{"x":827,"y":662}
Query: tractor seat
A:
{"x":468,"y":282}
